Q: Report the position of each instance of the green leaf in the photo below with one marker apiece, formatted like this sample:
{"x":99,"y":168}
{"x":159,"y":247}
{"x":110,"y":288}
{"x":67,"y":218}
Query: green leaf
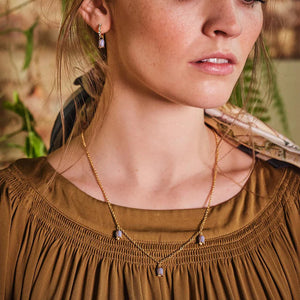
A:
{"x":34,"y":145}
{"x":29,"y":44}
{"x":28,"y":150}
{"x":279,"y":106}
{"x":248,"y":90}
{"x":20,"y":109}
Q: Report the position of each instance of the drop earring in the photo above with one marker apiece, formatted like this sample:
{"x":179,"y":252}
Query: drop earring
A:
{"x":101,"y":42}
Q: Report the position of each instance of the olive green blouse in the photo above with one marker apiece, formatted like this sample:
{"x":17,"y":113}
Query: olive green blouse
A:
{"x":56,"y":242}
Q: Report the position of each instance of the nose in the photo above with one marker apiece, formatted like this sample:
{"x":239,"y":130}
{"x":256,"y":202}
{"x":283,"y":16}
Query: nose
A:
{"x":222,"y":19}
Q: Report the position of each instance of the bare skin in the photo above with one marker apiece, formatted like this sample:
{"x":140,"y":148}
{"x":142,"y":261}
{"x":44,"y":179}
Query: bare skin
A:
{"x":154,"y":150}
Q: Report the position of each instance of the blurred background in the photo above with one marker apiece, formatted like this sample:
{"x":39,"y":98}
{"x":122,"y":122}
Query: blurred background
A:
{"x":29,"y":101}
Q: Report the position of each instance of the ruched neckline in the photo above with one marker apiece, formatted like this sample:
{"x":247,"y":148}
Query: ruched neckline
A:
{"x":174,"y":225}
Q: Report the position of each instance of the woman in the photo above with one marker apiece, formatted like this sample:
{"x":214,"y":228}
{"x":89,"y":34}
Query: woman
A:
{"x":182,"y":213}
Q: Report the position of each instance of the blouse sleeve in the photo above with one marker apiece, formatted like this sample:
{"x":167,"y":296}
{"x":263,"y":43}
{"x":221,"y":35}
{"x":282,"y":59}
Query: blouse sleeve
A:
{"x":5,"y":221}
{"x":13,"y":218}
{"x":293,"y":213}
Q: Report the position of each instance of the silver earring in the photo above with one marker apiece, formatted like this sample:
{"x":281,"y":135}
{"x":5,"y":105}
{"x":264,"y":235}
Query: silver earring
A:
{"x":101,"y":42}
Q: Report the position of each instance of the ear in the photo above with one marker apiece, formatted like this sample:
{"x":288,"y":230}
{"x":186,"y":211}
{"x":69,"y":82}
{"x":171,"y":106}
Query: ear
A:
{"x":95,"y":12}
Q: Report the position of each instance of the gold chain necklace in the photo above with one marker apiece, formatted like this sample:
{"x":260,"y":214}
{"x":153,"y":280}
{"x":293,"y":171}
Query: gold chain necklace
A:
{"x":118,"y":233}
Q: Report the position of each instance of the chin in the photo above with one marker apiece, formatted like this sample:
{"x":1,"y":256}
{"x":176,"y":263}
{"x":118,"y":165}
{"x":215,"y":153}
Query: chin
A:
{"x":210,"y":93}
{"x":211,"y":100}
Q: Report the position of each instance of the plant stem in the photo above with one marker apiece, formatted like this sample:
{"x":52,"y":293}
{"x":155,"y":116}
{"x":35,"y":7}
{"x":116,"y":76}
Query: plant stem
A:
{"x":5,"y":137}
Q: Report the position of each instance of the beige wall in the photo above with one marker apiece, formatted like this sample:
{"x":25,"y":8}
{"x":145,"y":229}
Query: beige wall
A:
{"x":288,"y":76}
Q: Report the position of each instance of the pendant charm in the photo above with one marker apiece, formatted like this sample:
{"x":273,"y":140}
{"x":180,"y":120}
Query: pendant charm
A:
{"x":101,"y":43}
{"x":159,"y":271}
{"x":118,"y":234}
{"x":201,"y":239}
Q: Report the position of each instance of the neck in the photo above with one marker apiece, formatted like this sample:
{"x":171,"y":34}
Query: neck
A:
{"x":148,"y":137}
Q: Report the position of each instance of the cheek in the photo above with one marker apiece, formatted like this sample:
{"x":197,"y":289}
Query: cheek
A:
{"x":252,"y":28}
{"x":146,"y":32}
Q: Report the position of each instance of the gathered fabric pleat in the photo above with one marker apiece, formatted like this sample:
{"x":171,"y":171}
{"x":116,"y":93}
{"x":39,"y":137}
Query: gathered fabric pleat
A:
{"x":56,"y":242}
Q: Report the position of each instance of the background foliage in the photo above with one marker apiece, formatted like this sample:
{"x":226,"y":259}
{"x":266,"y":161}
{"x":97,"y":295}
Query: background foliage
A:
{"x":33,"y":145}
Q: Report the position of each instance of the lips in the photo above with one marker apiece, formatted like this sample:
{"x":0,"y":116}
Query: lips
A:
{"x":217,"y":57}
{"x":216,"y":63}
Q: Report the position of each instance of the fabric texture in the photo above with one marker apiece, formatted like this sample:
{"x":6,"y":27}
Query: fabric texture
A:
{"x":248,"y":133}
{"x":56,"y":242}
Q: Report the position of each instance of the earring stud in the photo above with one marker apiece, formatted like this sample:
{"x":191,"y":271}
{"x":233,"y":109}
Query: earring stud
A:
{"x":101,"y":42}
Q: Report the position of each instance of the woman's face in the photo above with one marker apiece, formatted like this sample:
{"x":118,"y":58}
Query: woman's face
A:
{"x":184,"y":51}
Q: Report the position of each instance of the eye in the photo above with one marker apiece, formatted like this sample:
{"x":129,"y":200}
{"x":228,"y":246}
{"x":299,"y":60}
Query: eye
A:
{"x":252,"y":2}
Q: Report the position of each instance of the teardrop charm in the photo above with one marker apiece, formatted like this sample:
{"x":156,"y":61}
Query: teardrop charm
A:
{"x":201,"y":239}
{"x":118,"y":234}
{"x":159,"y":271}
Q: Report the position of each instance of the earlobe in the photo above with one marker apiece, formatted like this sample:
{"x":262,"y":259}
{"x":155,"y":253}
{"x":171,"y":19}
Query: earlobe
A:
{"x":94,"y":13}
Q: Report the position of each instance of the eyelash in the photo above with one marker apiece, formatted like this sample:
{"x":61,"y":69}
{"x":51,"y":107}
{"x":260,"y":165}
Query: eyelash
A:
{"x":252,"y":2}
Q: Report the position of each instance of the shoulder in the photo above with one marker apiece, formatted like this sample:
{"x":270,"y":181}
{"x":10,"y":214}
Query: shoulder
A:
{"x":289,"y":174}
{"x":281,"y":184}
{"x":26,"y":170}
{"x":22,"y":179}
{"x":291,"y":183}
